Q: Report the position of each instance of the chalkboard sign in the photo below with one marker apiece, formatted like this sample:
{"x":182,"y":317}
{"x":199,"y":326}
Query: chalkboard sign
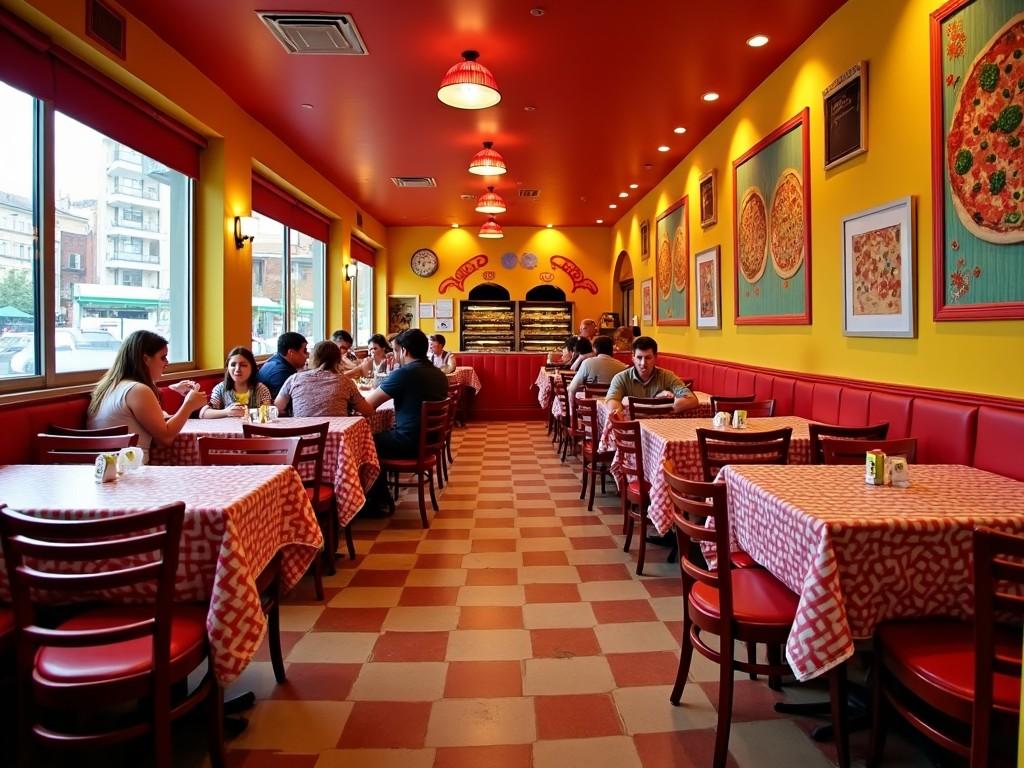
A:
{"x":846,"y":116}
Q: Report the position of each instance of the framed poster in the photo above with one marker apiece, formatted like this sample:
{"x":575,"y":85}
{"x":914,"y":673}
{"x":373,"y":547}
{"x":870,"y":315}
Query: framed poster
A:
{"x":647,"y":302}
{"x":846,"y":115}
{"x":878,"y":271}
{"x":707,"y":282}
{"x":444,"y":324}
{"x":672,"y":235}
{"x":772,"y":228}
{"x":444,"y":308}
{"x":708,"y":188}
{"x":645,"y":240}
{"x":403,"y":313}
{"x":977,"y":154}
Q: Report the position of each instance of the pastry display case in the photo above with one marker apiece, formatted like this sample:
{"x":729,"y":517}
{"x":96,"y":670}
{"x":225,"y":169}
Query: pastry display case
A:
{"x":544,"y":325}
{"x":487,"y":326}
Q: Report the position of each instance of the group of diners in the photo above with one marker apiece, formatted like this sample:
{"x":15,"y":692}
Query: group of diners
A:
{"x":581,"y":347}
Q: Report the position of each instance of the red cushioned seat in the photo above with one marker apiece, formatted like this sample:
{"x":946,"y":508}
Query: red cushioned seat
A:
{"x":741,"y":559}
{"x":324,"y":495}
{"x":117,"y":660}
{"x":757,"y":598}
{"x":410,"y":465}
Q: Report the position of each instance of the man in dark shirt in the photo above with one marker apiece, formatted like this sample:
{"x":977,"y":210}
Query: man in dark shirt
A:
{"x":291,"y":357}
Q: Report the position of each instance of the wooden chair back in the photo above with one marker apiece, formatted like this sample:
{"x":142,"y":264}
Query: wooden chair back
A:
{"x":455,"y":400}
{"x":650,"y":407}
{"x":818,"y":431}
{"x":237,"y":451}
{"x":433,"y":425}
{"x":841,"y":451}
{"x":73,"y":449}
{"x":117,"y":429}
{"x":630,"y":448}
{"x":309,"y":456}
{"x":586,"y":419}
{"x":718,"y":448}
{"x":722,"y":402}
{"x":595,"y":390}
{"x":755,"y":409}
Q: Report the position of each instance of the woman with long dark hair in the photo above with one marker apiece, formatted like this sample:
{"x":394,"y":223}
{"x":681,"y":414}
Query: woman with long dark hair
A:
{"x":240,"y":390}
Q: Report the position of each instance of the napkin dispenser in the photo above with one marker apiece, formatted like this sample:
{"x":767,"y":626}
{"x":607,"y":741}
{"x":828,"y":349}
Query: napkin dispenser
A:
{"x":875,"y":468}
{"x":106,"y":468}
{"x":129,"y":459}
{"x":899,"y":472}
{"x":739,"y":419}
{"x":721,"y":420}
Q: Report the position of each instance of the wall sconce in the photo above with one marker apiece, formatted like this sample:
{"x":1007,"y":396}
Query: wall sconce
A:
{"x":350,"y":271}
{"x":245,"y":229}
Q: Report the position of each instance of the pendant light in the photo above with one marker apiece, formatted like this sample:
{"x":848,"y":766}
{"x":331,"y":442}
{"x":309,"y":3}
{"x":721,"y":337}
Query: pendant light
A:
{"x":490,"y":202}
{"x":469,"y":85}
{"x":487,"y":162}
{"x":491,"y":229}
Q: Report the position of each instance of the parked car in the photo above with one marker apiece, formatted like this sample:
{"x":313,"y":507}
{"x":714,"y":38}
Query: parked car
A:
{"x":10,"y":344}
{"x":76,"y":351}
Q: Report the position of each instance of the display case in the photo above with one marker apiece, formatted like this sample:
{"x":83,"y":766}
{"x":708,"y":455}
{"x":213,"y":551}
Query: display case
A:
{"x":544,"y":325}
{"x":487,"y":326}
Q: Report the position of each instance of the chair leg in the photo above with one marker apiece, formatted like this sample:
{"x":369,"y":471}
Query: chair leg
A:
{"x":440,"y":479}
{"x":318,"y":576}
{"x":752,"y":657}
{"x":685,"y":657}
{"x":878,"y":712}
{"x":583,"y":479}
{"x":448,"y":453}
{"x":628,"y":530}
{"x":422,"y":499}
{"x":642,"y":553}
{"x":840,"y":726}
{"x":349,"y":543}
{"x":433,"y":498}
{"x":775,"y":655}
{"x":593,"y":484}
{"x":161,"y":729}
{"x":725,"y":691}
{"x":624,"y":505}
{"x":274,"y":631}
{"x":215,"y":726}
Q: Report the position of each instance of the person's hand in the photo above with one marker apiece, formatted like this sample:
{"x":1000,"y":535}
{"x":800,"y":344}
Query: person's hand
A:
{"x":664,"y":393}
{"x":194,"y":398}
{"x":237,"y":409}
{"x":184,"y":386}
{"x":625,"y":403}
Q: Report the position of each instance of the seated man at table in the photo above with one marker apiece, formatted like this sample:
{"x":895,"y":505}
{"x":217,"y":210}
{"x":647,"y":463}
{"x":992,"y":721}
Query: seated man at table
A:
{"x":588,"y":329}
{"x":438,"y":357}
{"x":645,"y":379}
{"x":343,"y":340}
{"x":291,"y":358}
{"x":599,"y":369}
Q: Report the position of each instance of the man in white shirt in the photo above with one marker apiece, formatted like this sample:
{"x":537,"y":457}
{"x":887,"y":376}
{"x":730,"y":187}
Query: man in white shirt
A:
{"x":598,"y":369}
{"x":437,"y":355}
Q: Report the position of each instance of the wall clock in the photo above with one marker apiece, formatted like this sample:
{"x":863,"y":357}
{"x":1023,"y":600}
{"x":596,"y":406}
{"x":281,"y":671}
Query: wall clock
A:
{"x":424,"y":262}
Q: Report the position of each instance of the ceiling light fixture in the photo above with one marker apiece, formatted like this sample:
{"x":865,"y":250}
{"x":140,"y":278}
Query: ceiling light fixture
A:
{"x":758,"y":41}
{"x":634,"y":186}
{"x":680,"y":130}
{"x":663,"y":148}
{"x":710,"y":96}
{"x":600,"y":221}
{"x":613,"y":206}
{"x":245,"y":230}
{"x":469,"y":85}
{"x":487,"y":162}
{"x":623,"y":194}
{"x":491,"y":229}
{"x":490,"y":202}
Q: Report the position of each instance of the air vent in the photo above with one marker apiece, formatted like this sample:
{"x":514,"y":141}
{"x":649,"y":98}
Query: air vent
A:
{"x":315,"y":33}
{"x":414,"y":182}
{"x":105,"y":25}
{"x":532,"y":194}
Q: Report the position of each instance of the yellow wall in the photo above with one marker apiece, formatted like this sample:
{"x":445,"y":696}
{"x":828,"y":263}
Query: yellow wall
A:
{"x":986,"y":356}
{"x":586,"y":246}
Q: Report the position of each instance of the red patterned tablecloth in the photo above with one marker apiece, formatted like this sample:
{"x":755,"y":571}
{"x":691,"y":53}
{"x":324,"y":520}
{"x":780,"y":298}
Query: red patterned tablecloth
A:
{"x":236,"y":520}
{"x":859,"y":554}
{"x":350,"y":459}
{"x":702,"y":411}
{"x":676,"y":440}
{"x":466,"y":376}
{"x":545,"y":385}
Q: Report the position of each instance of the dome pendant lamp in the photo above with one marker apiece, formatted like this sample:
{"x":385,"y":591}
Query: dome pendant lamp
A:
{"x":469,"y":85}
{"x":490,"y":202}
{"x":487,"y":162}
{"x":491,"y":229}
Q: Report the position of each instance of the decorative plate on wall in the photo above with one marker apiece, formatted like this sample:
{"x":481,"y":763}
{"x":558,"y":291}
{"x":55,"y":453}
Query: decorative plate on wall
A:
{"x":424,"y":262}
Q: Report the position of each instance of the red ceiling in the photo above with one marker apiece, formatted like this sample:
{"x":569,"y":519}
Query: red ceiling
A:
{"x":608,"y":80}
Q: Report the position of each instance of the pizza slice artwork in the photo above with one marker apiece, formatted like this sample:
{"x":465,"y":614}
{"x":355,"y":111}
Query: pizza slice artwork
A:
{"x":753,"y":235}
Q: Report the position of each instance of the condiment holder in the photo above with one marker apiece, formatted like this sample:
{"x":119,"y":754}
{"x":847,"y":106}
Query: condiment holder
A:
{"x":880,"y":469}
{"x":739,"y":419}
{"x":129,"y":459}
{"x":106,"y":468}
{"x":721,"y":420}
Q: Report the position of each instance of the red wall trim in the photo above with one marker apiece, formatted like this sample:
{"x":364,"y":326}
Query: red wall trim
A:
{"x":272,"y":201}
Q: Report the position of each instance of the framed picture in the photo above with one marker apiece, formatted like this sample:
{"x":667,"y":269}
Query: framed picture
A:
{"x":647,"y":302}
{"x":444,"y":324}
{"x":672,"y":269}
{"x":645,"y":240}
{"x":978,"y":221}
{"x":846,"y":115}
{"x":707,"y":282}
{"x":878,"y":271}
{"x":708,"y":188}
{"x":772,"y":228}
{"x":403,"y":313}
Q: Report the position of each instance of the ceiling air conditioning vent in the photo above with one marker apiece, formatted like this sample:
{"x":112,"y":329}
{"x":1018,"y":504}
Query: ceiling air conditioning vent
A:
{"x":414,"y":182}
{"x":532,"y":194}
{"x":315,"y":33}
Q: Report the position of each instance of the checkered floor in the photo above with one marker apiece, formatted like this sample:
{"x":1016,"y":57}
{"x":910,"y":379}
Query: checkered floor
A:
{"x":511,"y":633}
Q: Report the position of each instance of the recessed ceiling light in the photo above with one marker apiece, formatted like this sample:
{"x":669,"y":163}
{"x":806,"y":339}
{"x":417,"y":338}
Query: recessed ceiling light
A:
{"x":613,"y":205}
{"x":529,"y":108}
{"x":536,"y":11}
{"x":306,"y":106}
{"x":680,"y":130}
{"x":710,"y":96}
{"x":663,"y":148}
{"x":633,"y":186}
{"x":550,"y":226}
{"x":623,"y":194}
{"x":758,"y":41}
{"x":455,"y":225}
{"x":600,"y":221}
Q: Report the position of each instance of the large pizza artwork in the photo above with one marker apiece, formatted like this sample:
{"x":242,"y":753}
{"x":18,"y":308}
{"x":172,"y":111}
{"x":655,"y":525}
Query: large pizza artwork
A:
{"x":680,"y":258}
{"x":786,"y":224}
{"x":753,"y":235}
{"x":664,"y":268}
{"x":984,"y":156}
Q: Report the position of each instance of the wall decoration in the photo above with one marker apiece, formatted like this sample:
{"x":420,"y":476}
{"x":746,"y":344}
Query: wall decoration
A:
{"x":444,"y":308}
{"x":707,"y":282}
{"x":529,"y":260}
{"x":426,"y":311}
{"x":977,"y":154}
{"x":645,"y":240}
{"x":846,"y":115}
{"x":672,"y":246}
{"x":647,"y":301}
{"x":878,"y":271}
{"x":546,"y":277}
{"x":468,"y":267}
{"x":772,"y":225}
{"x":509,"y":260}
{"x":403,"y":313}
{"x":490,"y":275}
{"x":579,"y":280}
{"x":708,"y":188}
{"x":444,"y":324}
{"x":424,"y":262}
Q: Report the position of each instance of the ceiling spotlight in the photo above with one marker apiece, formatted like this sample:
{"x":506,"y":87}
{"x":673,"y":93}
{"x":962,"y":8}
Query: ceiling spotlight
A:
{"x":536,"y":11}
{"x":306,"y":106}
{"x":491,"y":229}
{"x":600,"y":221}
{"x":455,"y":225}
{"x":757,"y":41}
{"x":529,"y":108}
{"x":487,"y":162}
{"x":469,"y":85}
{"x":490,"y":202}
{"x":663,"y":148}
{"x":613,"y":205}
{"x":634,"y":186}
{"x":679,"y":130}
{"x":623,"y":194}
{"x":710,"y":96}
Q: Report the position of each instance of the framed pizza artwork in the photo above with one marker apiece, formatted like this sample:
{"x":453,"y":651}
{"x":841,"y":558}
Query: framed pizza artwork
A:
{"x":878,"y":271}
{"x":707,"y":288}
{"x":647,"y":302}
{"x":672,"y":266}
{"x":977,"y":72}
{"x":772,"y":228}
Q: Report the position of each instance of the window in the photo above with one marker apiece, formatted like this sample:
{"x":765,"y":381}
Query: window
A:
{"x":362,"y":306}
{"x":132,"y":277}
{"x":74,"y":261}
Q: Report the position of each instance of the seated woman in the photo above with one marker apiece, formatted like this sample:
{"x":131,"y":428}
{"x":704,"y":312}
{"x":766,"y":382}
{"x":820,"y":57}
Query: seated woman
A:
{"x":584,"y":351}
{"x":322,"y":391}
{"x":241,"y":388}
{"x":566,"y":357}
{"x":127,"y":393}
{"x":623,"y":338}
{"x":437,"y":355}
{"x":378,"y":362}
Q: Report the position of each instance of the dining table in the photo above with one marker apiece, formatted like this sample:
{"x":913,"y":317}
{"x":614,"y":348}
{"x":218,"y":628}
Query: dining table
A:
{"x":858,"y":554}
{"x":237,"y":519}
{"x":466,"y":376}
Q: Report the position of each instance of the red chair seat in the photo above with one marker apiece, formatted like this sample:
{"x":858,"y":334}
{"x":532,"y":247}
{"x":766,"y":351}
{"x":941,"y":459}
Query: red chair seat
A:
{"x":125,"y":659}
{"x":324,"y":496}
{"x":941,"y":654}
{"x":741,"y":559}
{"x":408,"y":465}
{"x":757,"y":597}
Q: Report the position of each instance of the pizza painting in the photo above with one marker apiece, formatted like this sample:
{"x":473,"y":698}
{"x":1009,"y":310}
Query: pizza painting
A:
{"x":680,"y":258}
{"x":753,"y":235}
{"x":877,"y":271}
{"x":672,"y":234}
{"x":786,"y":225}
{"x":706,"y":292}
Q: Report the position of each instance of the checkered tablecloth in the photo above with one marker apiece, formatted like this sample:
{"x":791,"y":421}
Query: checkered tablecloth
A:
{"x":236,"y":520}
{"x":350,"y":459}
{"x":466,"y":376}
{"x":858,"y":554}
{"x":702,"y":411}
{"x":545,"y":385}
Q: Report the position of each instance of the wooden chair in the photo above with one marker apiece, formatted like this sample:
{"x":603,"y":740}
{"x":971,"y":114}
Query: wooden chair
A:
{"x":595,"y":461}
{"x":634,"y":491}
{"x":595,"y":390}
{"x":650,"y":407}
{"x":117,"y":429}
{"x":455,"y":395}
{"x":720,"y":448}
{"x":839,"y":451}
{"x":433,"y":422}
{"x":103,"y":658}
{"x":267,"y":451}
{"x":956,"y":682}
{"x":755,"y":408}
{"x":72,"y":449}
{"x":309,"y":461}
{"x":718,"y":402}
{"x":818,"y":431}
{"x":569,"y":431}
